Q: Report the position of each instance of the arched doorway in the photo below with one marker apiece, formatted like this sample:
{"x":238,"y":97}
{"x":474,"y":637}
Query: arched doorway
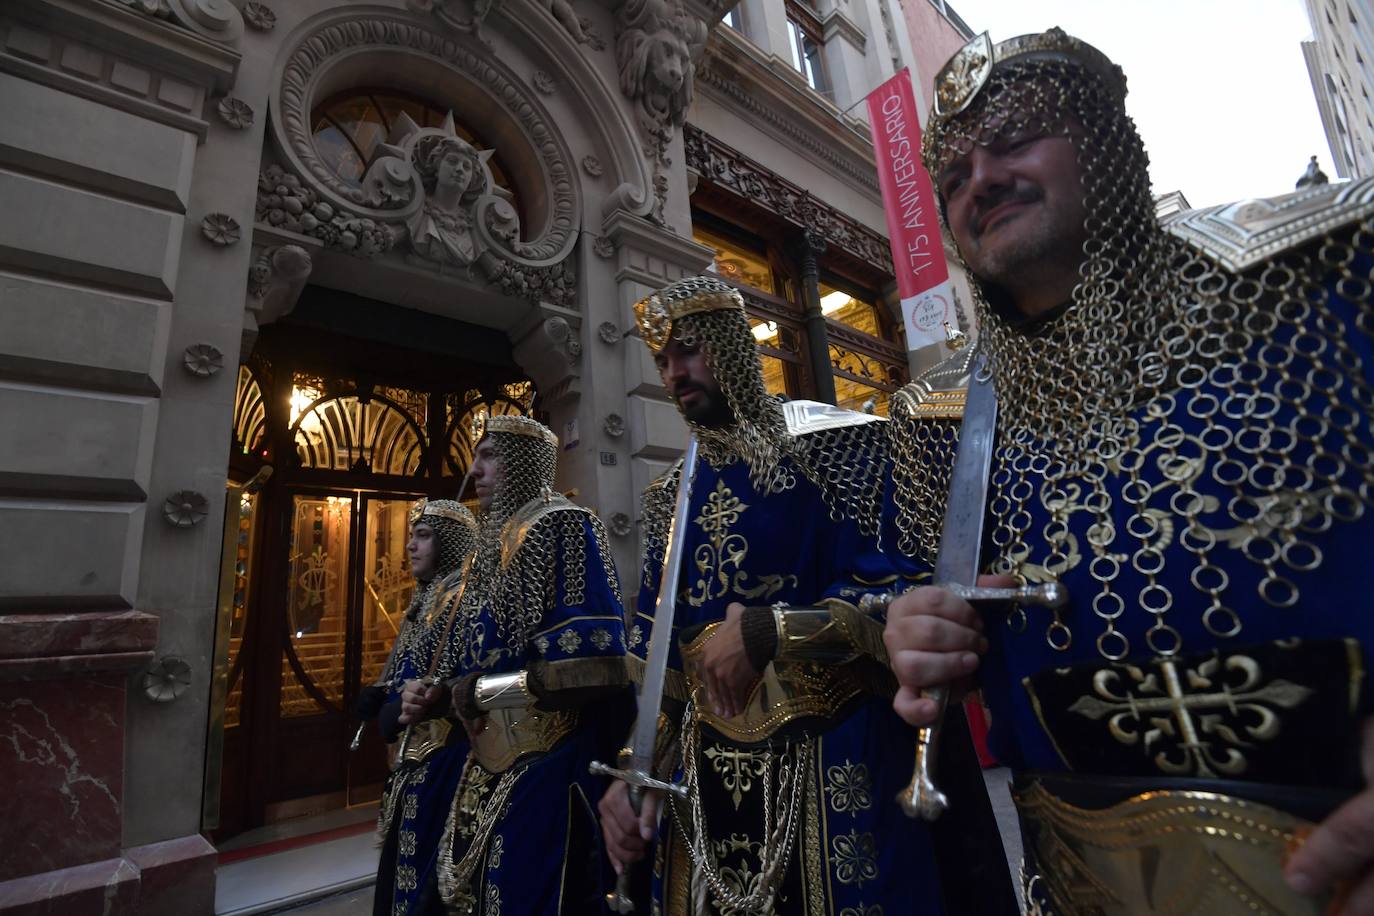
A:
{"x":354,"y":425}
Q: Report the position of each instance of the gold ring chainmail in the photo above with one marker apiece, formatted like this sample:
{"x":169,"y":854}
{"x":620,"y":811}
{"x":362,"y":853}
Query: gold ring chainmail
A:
{"x":1092,"y":398}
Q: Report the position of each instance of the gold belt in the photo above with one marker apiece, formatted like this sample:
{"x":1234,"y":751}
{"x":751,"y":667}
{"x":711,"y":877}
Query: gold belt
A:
{"x":1175,"y":852}
{"x":506,"y":735}
{"x":427,"y":737}
{"x":786,"y":692}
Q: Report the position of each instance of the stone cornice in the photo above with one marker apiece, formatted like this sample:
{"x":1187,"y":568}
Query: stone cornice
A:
{"x":742,"y":77}
{"x":837,"y":23}
{"x":150,"y":41}
{"x":729,"y":169}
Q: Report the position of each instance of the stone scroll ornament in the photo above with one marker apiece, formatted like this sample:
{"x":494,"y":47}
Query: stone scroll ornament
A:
{"x":426,"y":195}
{"x":218,"y":20}
{"x":431,"y":198}
{"x":656,"y":48}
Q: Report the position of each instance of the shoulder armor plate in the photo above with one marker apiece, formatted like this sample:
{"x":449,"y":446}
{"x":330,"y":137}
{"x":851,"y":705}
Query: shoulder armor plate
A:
{"x":812,"y":416}
{"x":1243,"y":234}
{"x":938,"y":392}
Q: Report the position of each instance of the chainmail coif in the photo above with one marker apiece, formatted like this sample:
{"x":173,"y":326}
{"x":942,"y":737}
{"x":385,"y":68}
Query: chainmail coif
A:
{"x":455,"y":533}
{"x":516,"y":578}
{"x":845,"y":464}
{"x":1260,"y":360}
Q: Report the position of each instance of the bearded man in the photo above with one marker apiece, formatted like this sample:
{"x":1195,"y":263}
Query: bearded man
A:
{"x":788,"y":745}
{"x":541,"y":633}
{"x":431,"y":754}
{"x":1185,"y":444}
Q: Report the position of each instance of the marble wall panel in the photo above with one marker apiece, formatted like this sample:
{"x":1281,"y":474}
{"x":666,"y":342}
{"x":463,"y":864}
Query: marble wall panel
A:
{"x":62,"y":752}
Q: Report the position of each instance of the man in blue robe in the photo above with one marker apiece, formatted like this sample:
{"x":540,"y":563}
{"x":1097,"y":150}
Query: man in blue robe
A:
{"x":778,"y":717}
{"x":429,"y":758}
{"x":1185,"y":444}
{"x":540,"y":635}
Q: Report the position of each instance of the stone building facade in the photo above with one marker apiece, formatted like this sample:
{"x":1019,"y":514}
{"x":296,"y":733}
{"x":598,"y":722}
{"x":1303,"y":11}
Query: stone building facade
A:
{"x":264,"y":269}
{"x":1340,"y":62}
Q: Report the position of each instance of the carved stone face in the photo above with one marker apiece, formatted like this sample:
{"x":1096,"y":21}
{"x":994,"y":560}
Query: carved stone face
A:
{"x":455,"y":171}
{"x":667,"y":60}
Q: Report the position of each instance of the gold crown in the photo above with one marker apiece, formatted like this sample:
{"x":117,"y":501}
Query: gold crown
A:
{"x":442,"y":508}
{"x":656,"y":313}
{"x":520,"y":426}
{"x":964,"y":75}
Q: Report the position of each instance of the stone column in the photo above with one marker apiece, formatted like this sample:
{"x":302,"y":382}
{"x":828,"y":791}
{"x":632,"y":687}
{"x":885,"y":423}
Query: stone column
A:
{"x":808,"y":247}
{"x":647,"y":258}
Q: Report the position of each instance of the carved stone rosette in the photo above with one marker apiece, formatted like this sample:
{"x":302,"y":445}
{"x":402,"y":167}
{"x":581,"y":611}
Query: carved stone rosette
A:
{"x":427,"y":196}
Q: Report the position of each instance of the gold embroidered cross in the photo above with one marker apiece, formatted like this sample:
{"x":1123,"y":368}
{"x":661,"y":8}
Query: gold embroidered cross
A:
{"x":1193,"y":720}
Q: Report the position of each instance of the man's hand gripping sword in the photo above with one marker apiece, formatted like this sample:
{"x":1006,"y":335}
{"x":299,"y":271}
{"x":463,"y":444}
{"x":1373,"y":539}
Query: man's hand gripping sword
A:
{"x":638,"y":771}
{"x":956,"y":570}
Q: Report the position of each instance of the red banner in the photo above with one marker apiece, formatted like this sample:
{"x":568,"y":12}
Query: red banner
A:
{"x":913,"y":223}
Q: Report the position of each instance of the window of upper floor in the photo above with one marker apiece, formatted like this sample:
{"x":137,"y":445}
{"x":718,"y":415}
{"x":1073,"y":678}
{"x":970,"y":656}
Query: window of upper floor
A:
{"x":804,"y":37}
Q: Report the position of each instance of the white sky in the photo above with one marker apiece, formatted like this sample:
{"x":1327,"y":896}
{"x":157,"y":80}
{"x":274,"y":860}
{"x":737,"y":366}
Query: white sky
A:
{"x":1218,"y":88}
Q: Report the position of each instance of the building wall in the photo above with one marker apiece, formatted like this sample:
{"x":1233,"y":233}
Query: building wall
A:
{"x":936,"y":32}
{"x":141,"y":251}
{"x":1340,"y":62}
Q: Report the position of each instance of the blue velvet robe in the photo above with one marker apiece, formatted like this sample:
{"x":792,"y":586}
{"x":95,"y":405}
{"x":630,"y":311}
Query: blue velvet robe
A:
{"x":855,"y":852}
{"x":544,"y":854}
{"x":1048,"y":718}
{"x":410,"y":846}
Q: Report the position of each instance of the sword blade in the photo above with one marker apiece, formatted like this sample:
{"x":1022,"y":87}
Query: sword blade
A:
{"x":661,"y":634}
{"x":961,"y":538}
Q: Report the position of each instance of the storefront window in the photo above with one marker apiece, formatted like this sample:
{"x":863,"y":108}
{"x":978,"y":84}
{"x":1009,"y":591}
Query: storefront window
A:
{"x":737,"y":263}
{"x":839,"y":305}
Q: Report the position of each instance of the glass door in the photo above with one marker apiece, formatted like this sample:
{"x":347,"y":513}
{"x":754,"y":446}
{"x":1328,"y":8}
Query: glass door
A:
{"x":385,"y":587}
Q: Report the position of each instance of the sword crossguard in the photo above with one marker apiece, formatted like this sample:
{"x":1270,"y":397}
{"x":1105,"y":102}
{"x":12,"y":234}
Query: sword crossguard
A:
{"x":639,"y":779}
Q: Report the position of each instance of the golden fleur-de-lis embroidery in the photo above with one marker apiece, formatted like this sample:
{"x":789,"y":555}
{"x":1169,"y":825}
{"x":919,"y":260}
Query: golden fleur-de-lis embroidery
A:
{"x":568,"y":640}
{"x":405,"y":843}
{"x":601,"y":638}
{"x":849,"y":787}
{"x":498,"y":846}
{"x":856,"y":857}
{"x":737,"y":769}
{"x":862,"y":910}
{"x":722,"y":510}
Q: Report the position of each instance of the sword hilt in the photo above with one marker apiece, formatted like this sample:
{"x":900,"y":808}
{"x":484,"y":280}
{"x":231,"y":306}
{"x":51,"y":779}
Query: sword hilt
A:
{"x":922,"y":797}
{"x":357,"y":741}
{"x":638,"y":780}
{"x":619,"y":900}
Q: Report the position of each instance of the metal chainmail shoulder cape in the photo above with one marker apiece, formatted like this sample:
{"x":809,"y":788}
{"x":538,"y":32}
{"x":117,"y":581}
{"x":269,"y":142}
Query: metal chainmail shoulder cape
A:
{"x":845,"y":459}
{"x":455,"y":532}
{"x":827,"y":436}
{"x":521,"y":587}
{"x":1223,"y":355}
